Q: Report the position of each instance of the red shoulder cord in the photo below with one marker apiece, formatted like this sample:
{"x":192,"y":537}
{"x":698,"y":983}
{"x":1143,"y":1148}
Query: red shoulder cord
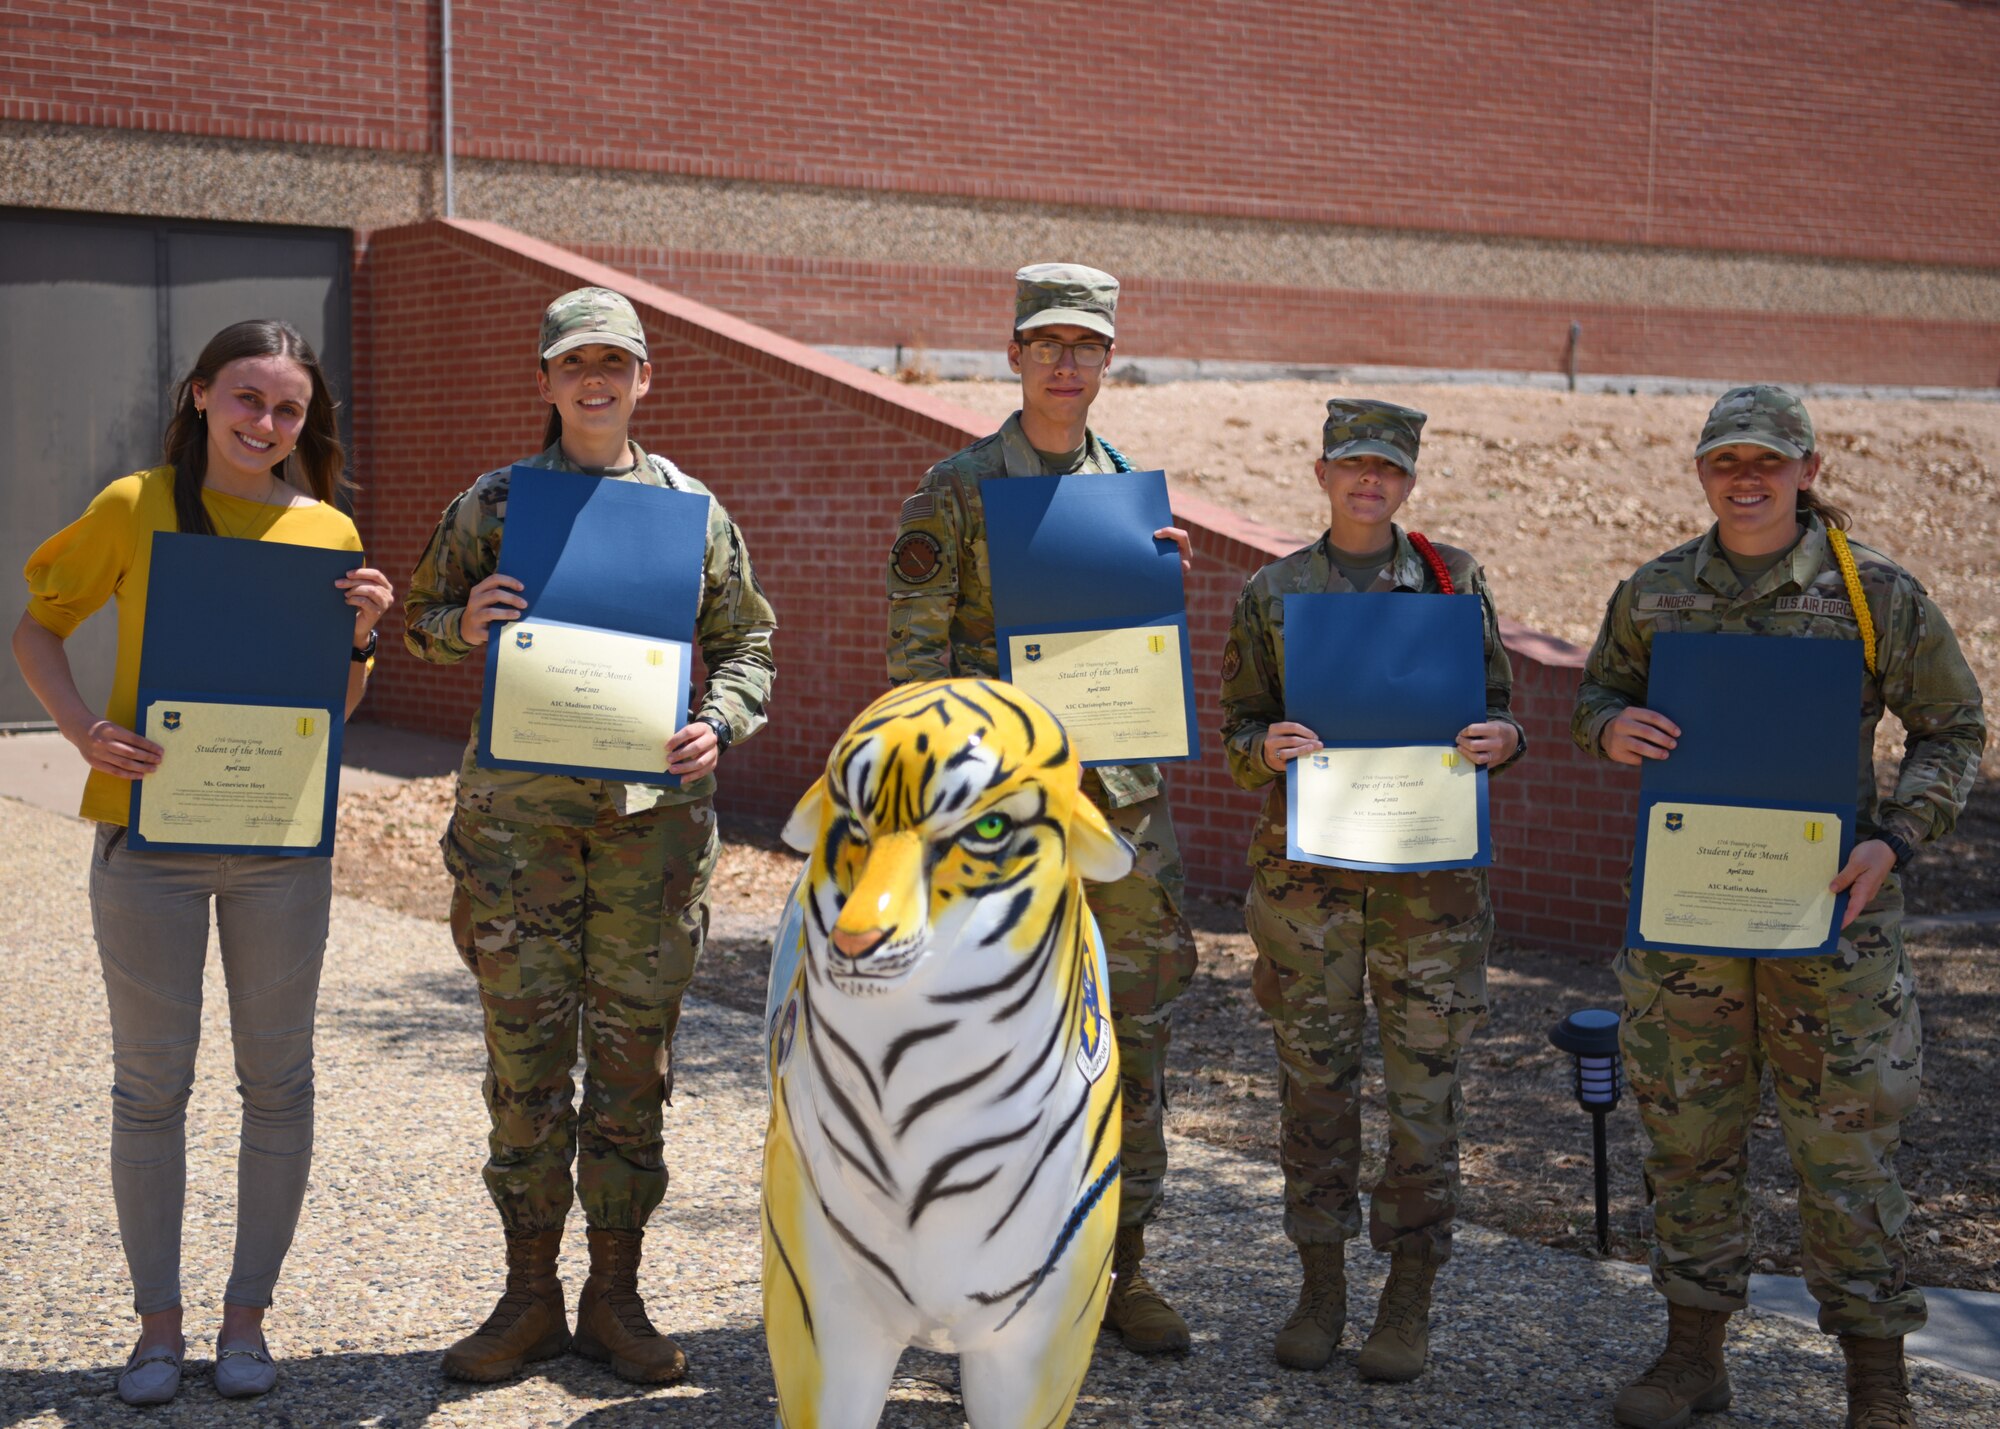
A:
{"x":1434,"y":561}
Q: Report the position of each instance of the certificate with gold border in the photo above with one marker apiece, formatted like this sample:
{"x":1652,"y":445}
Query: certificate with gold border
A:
{"x":1741,"y":829}
{"x":1120,"y":695}
{"x":1723,"y":877}
{"x":1407,"y":806}
{"x":573,"y":696}
{"x":236,"y":777}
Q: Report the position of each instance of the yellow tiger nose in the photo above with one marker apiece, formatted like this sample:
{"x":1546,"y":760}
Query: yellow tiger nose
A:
{"x":890,"y":881}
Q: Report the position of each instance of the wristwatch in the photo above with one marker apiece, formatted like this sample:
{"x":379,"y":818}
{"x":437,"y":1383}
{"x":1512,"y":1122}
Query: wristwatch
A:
{"x":1898,"y":845}
{"x":362,"y":654}
{"x":715,"y":723}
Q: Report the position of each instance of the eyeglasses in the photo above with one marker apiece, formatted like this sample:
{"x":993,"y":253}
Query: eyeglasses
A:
{"x":1044,"y":352}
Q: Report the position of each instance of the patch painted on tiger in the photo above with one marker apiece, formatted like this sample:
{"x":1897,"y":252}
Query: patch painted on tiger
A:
{"x":1093,"y":1040}
{"x":1232,"y":660}
{"x":919,"y":507}
{"x":787,"y":1034}
{"x":916,"y":557}
{"x":1815,"y":605}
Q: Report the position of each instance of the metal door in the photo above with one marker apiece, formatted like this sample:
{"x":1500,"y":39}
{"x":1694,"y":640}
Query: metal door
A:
{"x":99,"y":317}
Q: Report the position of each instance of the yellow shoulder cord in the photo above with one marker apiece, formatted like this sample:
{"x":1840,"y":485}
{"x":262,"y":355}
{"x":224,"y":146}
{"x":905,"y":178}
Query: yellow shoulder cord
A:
{"x":1843,"y":556}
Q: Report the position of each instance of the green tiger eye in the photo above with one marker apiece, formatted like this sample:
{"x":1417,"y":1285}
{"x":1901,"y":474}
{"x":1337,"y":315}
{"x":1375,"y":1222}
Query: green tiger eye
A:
{"x":991,"y":827}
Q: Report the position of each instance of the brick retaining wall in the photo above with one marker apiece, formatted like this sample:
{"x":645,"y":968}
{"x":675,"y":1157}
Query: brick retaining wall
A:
{"x":813,"y":458}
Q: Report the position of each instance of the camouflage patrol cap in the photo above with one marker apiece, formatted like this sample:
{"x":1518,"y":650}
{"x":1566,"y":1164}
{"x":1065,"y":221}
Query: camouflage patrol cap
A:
{"x":1046,"y":294}
{"x":1763,"y":416}
{"x":590,"y":315}
{"x":1359,"y":426}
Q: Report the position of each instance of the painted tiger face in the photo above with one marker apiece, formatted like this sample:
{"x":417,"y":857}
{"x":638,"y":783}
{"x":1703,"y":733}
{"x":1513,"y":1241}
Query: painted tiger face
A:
{"x":949,"y":816}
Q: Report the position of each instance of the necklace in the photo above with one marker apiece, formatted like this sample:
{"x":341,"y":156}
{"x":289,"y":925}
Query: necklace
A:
{"x":215,"y":513}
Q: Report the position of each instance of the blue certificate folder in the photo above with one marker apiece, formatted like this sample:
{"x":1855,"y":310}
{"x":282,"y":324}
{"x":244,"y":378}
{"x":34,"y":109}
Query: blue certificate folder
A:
{"x":1381,"y":671}
{"x":1077,"y":552}
{"x":253,"y":623}
{"x":1767,"y":722}
{"x":602,"y":555}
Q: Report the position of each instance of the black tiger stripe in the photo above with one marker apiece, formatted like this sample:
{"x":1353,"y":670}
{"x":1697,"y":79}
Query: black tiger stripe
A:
{"x":1027,"y":724}
{"x":1040,"y":1062}
{"x":934,"y":1188}
{"x":985,"y":990}
{"x":1048,"y":1150}
{"x":841,"y":1100}
{"x":945,"y":1093}
{"x":1097,"y":1137}
{"x":904,"y":1043}
{"x":854,"y":1244}
{"x":1011,"y":919}
{"x":846,"y":1050}
{"x":842,"y":1150}
{"x":1103,"y":1268}
{"x":785,"y":1259}
{"x":1041,"y":960}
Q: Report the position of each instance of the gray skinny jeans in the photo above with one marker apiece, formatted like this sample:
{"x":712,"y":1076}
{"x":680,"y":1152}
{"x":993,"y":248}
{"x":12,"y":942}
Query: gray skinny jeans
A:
{"x":150,"y":909}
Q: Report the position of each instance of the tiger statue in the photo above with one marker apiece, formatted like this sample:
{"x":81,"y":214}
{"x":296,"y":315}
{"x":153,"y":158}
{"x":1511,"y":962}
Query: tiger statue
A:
{"x":941,"y":1162}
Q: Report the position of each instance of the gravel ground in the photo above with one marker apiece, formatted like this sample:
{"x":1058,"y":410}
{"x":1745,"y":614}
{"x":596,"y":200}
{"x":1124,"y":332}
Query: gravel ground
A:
{"x":398,"y":1251}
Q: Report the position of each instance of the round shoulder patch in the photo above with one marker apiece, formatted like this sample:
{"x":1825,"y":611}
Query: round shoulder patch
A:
{"x":916,"y":557}
{"x":1232,"y":660}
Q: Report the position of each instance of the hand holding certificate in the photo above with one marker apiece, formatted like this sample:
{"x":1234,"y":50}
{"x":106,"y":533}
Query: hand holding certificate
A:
{"x":243,"y":685}
{"x":1739,"y":837}
{"x":1386,"y":682}
{"x":1089,"y":612}
{"x":593,"y":679}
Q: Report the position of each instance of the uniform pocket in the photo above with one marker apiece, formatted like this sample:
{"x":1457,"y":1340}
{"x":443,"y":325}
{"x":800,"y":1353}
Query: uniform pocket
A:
{"x":1871,"y":1064}
{"x":1444,"y":985}
{"x":483,"y":922}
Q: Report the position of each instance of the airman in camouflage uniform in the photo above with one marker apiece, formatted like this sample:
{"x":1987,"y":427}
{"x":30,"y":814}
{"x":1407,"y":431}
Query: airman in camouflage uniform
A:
{"x":941,"y":626}
{"x":1840,"y":1033}
{"x":582,"y":904}
{"x":1416,"y":942}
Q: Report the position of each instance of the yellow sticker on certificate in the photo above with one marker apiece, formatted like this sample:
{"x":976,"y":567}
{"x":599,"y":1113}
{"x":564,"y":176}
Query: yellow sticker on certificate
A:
{"x":1729,"y":878}
{"x":1121,"y":695}
{"x":1415,"y":804}
{"x":575,"y":695}
{"x":253,"y":776}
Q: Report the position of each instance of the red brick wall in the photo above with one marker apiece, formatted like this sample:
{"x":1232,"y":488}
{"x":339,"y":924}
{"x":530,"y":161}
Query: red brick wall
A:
{"x":814,"y":458}
{"x":830,"y":301}
{"x":1790,"y":126}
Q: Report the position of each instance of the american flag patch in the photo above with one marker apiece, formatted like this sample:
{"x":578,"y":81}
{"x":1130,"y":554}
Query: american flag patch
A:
{"x":918,"y":507}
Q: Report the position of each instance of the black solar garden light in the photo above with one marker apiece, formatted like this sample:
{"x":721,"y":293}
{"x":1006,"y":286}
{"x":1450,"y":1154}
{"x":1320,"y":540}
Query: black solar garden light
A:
{"x":1591,"y":1039}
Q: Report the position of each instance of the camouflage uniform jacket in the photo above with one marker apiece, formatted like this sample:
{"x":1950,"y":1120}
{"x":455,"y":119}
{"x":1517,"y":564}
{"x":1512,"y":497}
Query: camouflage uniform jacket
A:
{"x":1922,"y":675}
{"x":733,"y":628}
{"x":1253,"y":662}
{"x":941,"y":600}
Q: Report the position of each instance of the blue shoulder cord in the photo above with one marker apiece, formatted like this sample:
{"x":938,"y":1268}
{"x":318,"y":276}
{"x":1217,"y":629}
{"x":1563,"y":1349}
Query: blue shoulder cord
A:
{"x":1118,"y":461}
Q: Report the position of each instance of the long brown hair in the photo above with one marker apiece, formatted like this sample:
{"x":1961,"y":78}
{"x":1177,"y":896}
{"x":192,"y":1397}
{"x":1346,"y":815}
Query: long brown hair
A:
{"x":552,"y":433}
{"x":1811,"y":503}
{"x":318,"y":453}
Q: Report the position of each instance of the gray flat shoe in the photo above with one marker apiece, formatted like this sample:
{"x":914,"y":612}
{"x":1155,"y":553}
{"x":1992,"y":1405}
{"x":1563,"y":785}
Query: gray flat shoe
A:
{"x":153,"y":1377}
{"x":244,"y":1371}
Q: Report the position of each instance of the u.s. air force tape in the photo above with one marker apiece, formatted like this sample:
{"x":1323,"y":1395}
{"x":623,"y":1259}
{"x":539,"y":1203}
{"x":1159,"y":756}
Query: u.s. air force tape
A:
{"x":916,"y":557}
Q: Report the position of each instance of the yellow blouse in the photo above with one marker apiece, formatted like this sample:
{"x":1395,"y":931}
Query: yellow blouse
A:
{"x":108,"y":551}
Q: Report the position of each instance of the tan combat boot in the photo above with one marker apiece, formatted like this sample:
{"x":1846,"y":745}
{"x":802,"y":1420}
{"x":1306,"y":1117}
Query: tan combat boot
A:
{"x":530,"y":1322}
{"x":1401,"y":1340}
{"x":1688,"y":1377}
{"x":1878,"y":1391}
{"x":1308,"y":1338}
{"x":611,"y":1323}
{"x":1134,"y":1308}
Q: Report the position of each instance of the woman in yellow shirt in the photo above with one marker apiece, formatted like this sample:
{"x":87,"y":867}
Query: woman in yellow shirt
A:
{"x":253,"y":433}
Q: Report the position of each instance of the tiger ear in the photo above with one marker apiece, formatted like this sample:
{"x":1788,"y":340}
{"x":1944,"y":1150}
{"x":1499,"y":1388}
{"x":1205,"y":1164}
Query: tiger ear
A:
{"x":801,"y":830}
{"x":1096,"y":850}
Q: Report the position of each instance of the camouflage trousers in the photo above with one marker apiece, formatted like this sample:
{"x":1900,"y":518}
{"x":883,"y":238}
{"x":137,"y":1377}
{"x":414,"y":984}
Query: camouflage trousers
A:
{"x":1844,"y":1044}
{"x":1150,"y":952}
{"x":590,"y":931}
{"x":1418,"y":942}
